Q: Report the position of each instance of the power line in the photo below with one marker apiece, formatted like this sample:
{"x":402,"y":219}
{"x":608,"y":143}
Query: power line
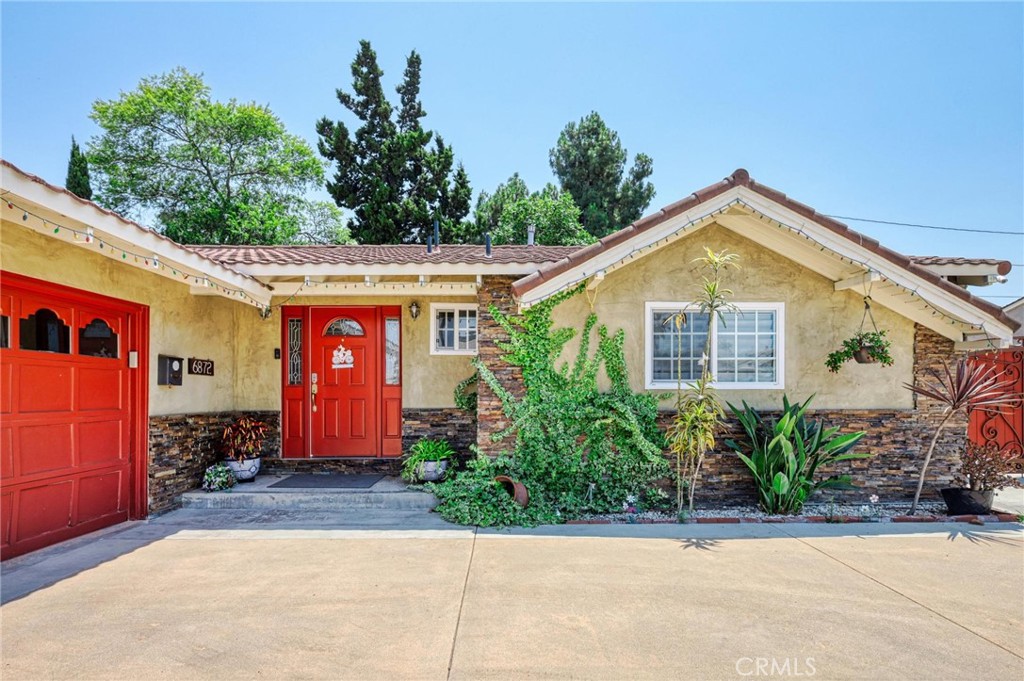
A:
{"x":911,"y":224}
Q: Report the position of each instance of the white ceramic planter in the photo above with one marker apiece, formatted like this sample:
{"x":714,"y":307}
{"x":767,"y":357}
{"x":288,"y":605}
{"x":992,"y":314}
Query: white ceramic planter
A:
{"x":432,"y":471}
{"x":245,"y":470}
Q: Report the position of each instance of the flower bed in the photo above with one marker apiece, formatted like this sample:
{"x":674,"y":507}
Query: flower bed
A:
{"x":811,"y":513}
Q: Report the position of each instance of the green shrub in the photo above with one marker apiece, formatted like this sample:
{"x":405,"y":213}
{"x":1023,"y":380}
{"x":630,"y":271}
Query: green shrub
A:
{"x":218,"y":477}
{"x":784,"y":455}
{"x":425,"y":450}
{"x":472,"y":497}
{"x":577,"y":449}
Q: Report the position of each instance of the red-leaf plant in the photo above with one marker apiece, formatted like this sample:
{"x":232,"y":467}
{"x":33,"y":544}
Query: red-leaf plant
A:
{"x":243,"y":439}
{"x":970,"y":385}
{"x":983,"y":468}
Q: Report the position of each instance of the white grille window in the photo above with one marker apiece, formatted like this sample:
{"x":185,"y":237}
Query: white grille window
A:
{"x":746,"y":349}
{"x":452,"y":329}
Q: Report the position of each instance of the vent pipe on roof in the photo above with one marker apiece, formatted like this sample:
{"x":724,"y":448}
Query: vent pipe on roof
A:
{"x":437,"y":234}
{"x":430,"y":244}
{"x":487,"y":245}
{"x":531,"y":232}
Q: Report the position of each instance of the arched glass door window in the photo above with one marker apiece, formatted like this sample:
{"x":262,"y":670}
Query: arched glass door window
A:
{"x":97,"y":339}
{"x":343,"y":326}
{"x":44,"y":331}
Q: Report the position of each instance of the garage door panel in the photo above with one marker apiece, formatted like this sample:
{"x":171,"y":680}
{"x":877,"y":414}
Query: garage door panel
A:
{"x":6,"y":451}
{"x":43,"y":448}
{"x":99,"y":388}
{"x":44,"y":388}
{"x":6,"y":388}
{"x":101,"y":495}
{"x":6,"y":518}
{"x":101,"y":442}
{"x":45,"y":508}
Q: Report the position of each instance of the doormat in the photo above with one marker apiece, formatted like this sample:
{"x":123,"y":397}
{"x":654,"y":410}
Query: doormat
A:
{"x":332,"y":481}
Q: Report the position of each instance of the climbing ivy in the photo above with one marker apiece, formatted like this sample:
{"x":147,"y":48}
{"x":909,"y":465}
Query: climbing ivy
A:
{"x":465,"y":394}
{"x":577,"y":448}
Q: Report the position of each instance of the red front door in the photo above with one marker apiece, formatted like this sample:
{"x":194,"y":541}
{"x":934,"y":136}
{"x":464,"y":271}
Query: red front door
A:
{"x":341,"y":382}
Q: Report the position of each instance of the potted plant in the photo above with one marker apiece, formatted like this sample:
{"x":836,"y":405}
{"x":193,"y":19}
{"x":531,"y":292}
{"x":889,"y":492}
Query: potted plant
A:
{"x":242,"y":442}
{"x":218,"y":477}
{"x":982,"y":473}
{"x":427,"y":461}
{"x":866,"y":347}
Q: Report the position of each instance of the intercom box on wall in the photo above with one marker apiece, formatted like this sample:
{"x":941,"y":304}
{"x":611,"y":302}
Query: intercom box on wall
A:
{"x":169,"y":370}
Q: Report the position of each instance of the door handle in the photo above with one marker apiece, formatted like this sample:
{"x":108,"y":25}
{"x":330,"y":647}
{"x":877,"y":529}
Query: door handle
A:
{"x":313,"y":388}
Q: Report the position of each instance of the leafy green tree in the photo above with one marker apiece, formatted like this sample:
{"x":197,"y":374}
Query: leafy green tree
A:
{"x":590,"y":163}
{"x":553,"y":214}
{"x":387,"y":172}
{"x":489,"y":207}
{"x":77,"y":181}
{"x":322,"y":223}
{"x":210,"y":172}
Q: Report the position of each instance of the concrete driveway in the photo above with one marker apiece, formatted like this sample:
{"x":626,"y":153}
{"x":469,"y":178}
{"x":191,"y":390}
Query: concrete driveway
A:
{"x":229,"y":595}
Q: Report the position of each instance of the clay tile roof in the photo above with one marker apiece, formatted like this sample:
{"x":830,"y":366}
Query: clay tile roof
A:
{"x":1002,"y":266}
{"x":741,"y":178}
{"x":381,"y":255}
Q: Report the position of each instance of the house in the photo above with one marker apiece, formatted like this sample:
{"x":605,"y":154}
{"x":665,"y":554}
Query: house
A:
{"x":124,"y":353}
{"x":1015,"y":311}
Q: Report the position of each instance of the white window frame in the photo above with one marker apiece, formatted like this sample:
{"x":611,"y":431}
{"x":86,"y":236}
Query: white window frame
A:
{"x":780,"y":346}
{"x":456,"y":308}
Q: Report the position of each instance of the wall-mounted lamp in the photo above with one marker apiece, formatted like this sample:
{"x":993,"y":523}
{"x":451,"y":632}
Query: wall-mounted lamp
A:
{"x":414,"y":310}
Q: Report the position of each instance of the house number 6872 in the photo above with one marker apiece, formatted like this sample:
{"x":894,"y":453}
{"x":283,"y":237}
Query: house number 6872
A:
{"x":200,"y":367}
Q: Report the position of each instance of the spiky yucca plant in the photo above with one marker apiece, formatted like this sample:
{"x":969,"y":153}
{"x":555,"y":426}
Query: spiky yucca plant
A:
{"x":969,"y":385}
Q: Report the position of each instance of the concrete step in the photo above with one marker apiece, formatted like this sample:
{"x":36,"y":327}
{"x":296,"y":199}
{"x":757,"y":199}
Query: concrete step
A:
{"x":387,"y":495}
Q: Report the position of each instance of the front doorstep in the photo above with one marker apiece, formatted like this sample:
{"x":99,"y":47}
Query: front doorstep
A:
{"x":388,"y":494}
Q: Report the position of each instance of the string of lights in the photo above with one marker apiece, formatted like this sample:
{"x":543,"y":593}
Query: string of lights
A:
{"x":911,"y":224}
{"x":87,"y":236}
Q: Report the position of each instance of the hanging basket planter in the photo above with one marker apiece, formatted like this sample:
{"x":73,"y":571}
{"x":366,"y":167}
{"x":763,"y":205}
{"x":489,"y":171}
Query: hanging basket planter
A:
{"x":866,"y":347}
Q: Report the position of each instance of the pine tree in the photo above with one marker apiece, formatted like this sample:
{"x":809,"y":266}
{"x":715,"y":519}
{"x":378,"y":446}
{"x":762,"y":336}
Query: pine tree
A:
{"x":388,"y":174}
{"x":77,"y":181}
{"x":590,"y":163}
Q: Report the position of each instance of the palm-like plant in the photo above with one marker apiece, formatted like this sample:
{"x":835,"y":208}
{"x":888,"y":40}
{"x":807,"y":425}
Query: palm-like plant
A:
{"x":969,"y":385}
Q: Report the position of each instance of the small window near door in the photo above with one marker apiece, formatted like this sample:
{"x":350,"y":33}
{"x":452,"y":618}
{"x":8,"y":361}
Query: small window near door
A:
{"x":342,"y":326}
{"x":5,"y":331}
{"x":97,"y":339}
{"x":294,"y":352}
{"x":453,"y":329}
{"x":45,"y":332}
{"x":392,"y":352}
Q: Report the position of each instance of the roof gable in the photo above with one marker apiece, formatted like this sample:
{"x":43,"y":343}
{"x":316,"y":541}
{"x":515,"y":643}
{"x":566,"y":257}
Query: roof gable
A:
{"x":795,"y":230}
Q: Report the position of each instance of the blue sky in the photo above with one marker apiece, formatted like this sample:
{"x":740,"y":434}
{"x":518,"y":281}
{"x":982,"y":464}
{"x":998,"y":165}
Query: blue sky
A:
{"x":901,"y":112}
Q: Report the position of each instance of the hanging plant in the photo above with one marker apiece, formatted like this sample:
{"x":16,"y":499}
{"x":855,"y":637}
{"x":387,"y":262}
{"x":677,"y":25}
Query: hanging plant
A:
{"x":867,"y":347}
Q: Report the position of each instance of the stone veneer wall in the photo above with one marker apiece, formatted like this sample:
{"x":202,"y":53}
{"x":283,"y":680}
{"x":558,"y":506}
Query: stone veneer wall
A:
{"x":181,"y":446}
{"x":491,"y":418}
{"x":451,"y":424}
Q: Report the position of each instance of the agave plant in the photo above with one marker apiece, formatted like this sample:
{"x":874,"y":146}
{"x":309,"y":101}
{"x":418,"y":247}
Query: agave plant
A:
{"x":969,"y":385}
{"x":784,"y":455}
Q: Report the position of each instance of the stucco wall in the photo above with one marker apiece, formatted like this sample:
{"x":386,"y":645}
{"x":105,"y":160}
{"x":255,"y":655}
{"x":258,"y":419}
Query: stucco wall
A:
{"x":817,"y":319}
{"x":181,"y":324}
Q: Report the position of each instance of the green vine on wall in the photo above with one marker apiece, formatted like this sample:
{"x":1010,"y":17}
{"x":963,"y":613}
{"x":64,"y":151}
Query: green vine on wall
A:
{"x":577,"y":448}
{"x":465,"y":393}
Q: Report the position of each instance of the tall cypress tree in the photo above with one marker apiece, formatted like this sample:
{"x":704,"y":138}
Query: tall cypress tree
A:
{"x":77,"y":181}
{"x":388,"y":173}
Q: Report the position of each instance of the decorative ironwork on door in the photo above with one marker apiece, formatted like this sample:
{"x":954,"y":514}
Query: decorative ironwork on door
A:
{"x":1002,"y":428}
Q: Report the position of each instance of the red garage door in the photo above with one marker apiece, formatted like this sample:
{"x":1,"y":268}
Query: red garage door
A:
{"x":70,"y":434}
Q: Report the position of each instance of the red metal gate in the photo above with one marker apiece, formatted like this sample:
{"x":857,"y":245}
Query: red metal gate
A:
{"x":1002,"y":428}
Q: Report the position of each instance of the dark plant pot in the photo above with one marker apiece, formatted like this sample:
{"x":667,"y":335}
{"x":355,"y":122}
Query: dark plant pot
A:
{"x":962,"y":501}
{"x":863,"y":356}
{"x":515,"y":489}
